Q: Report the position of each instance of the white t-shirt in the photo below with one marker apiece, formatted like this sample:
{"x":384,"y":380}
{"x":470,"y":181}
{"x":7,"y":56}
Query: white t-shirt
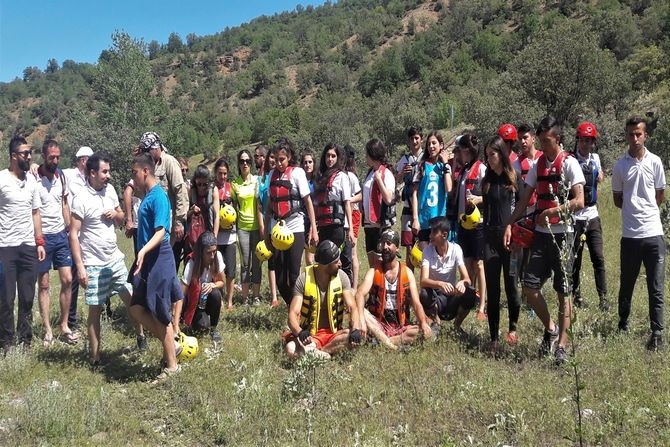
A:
{"x":588,"y":212}
{"x":408,"y":158}
{"x":206,"y":274}
{"x":296,"y":221}
{"x":355,"y":188}
{"x":389,"y":182}
{"x":97,"y":236}
{"x":573,"y":175}
{"x":18,"y":199}
{"x":639,"y":180}
{"x":76,"y":182}
{"x":481,"y":172}
{"x":51,"y":211}
{"x":391,"y":294}
{"x":443,"y":269}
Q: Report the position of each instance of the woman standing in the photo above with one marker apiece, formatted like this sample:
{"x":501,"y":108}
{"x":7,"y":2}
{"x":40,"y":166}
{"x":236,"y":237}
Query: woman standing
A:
{"x":499,"y":189}
{"x":202,"y":282}
{"x":263,"y":195}
{"x":307,"y":163}
{"x":356,"y":197}
{"x":378,"y":197}
{"x":227,"y":237}
{"x":431,"y":185}
{"x":468,"y":193}
{"x":244,"y":196}
{"x":332,"y":207}
{"x":289,"y":201}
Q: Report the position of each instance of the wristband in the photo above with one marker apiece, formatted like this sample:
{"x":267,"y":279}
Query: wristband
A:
{"x":39,"y":240}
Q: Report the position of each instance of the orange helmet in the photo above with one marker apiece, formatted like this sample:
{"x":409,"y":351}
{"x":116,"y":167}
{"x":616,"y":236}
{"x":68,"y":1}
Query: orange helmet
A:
{"x":587,"y":130}
{"x":507,"y":132}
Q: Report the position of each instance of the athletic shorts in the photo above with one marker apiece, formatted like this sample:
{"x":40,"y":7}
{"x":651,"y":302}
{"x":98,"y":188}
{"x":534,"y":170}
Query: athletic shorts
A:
{"x":544,"y":259}
{"x":105,"y":281}
{"x":356,"y":221}
{"x":58,"y":254}
{"x":372,"y":238}
{"x":434,"y":301}
{"x":229,"y":254}
{"x":407,"y":238}
{"x":472,"y":242}
{"x":323,"y":337}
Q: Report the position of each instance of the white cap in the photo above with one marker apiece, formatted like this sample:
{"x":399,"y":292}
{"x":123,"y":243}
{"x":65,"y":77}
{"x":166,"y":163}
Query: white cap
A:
{"x":84,"y":151}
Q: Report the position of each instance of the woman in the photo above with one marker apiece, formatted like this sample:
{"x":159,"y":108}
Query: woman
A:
{"x":263,"y":194}
{"x":227,"y":237}
{"x":356,"y":197}
{"x":202,"y":282}
{"x":307,"y":163}
{"x":431,"y":185}
{"x":289,"y":201}
{"x":468,"y":193}
{"x":204,"y":203}
{"x":244,"y":196}
{"x":499,"y":188}
{"x":332,"y":207}
{"x":378,"y":197}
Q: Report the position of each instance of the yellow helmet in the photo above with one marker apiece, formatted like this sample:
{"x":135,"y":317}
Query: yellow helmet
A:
{"x":470,"y":219}
{"x":227,"y":216}
{"x":416,"y":255}
{"x":262,"y":251}
{"x":282,"y":238}
{"x":189,"y":347}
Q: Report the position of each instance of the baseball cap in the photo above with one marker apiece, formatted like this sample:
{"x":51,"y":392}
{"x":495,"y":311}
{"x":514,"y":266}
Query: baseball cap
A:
{"x":84,"y":151}
{"x":326,"y":252}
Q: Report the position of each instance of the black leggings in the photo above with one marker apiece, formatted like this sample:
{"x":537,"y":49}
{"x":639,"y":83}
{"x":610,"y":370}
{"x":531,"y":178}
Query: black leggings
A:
{"x":212,"y":309}
{"x":339,"y":236}
{"x":495,"y":258}
{"x":287,"y":266}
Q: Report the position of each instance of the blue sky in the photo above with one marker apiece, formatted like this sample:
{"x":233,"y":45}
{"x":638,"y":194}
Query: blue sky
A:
{"x":34,"y":31}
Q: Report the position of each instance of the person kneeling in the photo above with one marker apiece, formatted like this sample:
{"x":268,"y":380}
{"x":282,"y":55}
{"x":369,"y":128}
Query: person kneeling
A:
{"x":390,"y":289}
{"x":316,"y":313}
{"x":202,"y":283}
{"x":442,"y":297}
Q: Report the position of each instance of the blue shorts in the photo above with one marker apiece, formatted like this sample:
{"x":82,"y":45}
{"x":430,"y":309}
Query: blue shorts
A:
{"x":105,"y":281}
{"x":155,"y":285}
{"x":58,"y":254}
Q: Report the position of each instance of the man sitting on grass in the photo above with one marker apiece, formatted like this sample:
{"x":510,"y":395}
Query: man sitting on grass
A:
{"x":390,"y":290}
{"x":316,"y":313}
{"x":442,"y":297}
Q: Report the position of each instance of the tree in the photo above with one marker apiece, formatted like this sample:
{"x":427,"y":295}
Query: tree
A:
{"x":52,"y":66}
{"x":31,"y":74}
{"x":174,"y":44}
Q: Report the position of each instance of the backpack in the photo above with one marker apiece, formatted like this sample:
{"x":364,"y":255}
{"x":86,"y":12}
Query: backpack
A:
{"x":199,"y":223}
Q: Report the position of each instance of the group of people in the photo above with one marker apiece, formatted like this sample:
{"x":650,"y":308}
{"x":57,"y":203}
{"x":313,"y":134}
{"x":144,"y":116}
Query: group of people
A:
{"x":466,"y":217}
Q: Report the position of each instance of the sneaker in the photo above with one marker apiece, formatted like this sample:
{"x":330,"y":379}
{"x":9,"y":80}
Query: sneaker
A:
{"x":548,"y":341}
{"x":512,"y":339}
{"x":142,"y":343}
{"x":623,"y":326}
{"x":604,"y":304}
{"x":257,"y":301}
{"x":560,"y":355}
{"x":216,"y":337}
{"x":578,"y":301}
{"x":655,"y":343}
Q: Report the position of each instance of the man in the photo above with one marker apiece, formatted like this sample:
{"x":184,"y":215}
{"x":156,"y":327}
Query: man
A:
{"x":442,"y":296}
{"x":509,"y":135}
{"x":153,"y":278}
{"x":100,"y":264}
{"x":638,"y":187}
{"x":169,"y":176}
{"x":385,"y":296}
{"x":259,"y":159}
{"x":76,"y":182}
{"x":316,"y":313}
{"x":559,"y":182}
{"x":55,"y":214}
{"x":588,"y":229}
{"x":21,"y":243}
{"x":405,"y":171}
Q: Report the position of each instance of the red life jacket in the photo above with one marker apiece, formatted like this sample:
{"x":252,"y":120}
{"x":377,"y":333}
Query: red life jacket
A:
{"x":376,"y":302}
{"x":225,"y":194}
{"x":513,"y":156}
{"x":328,"y":212}
{"x":284,"y":196}
{"x":549,"y":188}
{"x":380,"y":213}
{"x":472,"y":177}
{"x":525,"y":164}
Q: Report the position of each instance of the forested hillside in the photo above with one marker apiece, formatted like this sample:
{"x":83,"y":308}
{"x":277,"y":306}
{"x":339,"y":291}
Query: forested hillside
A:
{"x":354,"y":69}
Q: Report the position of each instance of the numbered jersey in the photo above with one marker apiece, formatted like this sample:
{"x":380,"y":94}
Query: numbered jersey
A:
{"x":431,"y":193}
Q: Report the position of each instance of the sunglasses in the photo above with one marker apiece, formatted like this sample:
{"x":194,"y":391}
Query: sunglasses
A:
{"x":24,"y":153}
{"x":184,"y":171}
{"x":244,"y":161}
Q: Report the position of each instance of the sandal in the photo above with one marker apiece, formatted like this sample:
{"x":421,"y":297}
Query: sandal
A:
{"x":69,"y":338}
{"x":166,"y":374}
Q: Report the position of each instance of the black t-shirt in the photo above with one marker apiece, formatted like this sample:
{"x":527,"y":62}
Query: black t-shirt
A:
{"x":498,"y":201}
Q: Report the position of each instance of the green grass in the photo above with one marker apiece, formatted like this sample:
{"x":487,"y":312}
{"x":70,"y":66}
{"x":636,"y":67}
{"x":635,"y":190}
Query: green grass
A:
{"x":442,"y":393}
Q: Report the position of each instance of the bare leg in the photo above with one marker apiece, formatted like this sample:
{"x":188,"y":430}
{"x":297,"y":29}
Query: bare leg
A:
{"x":230,"y":289}
{"x":375,"y":329}
{"x":339,"y":342}
{"x":65,"y":297}
{"x":161,"y":331}
{"x":44,"y":302}
{"x":177,"y":307}
{"x":537,"y":302}
{"x":408,"y":337}
{"x":272,"y":277}
{"x":355,"y":263}
{"x":93,"y":324}
{"x":125,"y":297}
{"x":564,"y":318}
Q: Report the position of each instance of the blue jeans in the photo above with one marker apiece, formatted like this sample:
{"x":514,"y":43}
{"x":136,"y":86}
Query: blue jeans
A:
{"x":635,"y":252}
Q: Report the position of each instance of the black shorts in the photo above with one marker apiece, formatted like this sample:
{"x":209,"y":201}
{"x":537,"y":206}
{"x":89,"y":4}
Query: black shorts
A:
{"x":472,"y":242}
{"x":229,"y":254}
{"x":435,"y":301}
{"x":372,"y":238}
{"x":545,"y":258}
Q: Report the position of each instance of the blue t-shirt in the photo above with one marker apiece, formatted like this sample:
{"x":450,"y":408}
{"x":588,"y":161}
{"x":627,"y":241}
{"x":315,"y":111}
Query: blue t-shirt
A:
{"x":264,"y":191}
{"x":154,"y":213}
{"x":431,"y":194}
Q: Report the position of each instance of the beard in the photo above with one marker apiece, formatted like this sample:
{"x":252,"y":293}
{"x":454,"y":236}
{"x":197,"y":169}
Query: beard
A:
{"x":387,"y":257}
{"x":51,"y":168}
{"x":23,"y":164}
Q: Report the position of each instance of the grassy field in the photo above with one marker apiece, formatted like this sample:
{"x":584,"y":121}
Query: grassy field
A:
{"x":442,"y":393}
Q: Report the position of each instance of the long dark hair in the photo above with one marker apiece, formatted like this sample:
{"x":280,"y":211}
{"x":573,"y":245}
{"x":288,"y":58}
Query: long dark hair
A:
{"x":498,"y":145}
{"x":286,"y":145}
{"x":206,"y":240}
{"x":324,"y":173}
{"x":424,"y":156}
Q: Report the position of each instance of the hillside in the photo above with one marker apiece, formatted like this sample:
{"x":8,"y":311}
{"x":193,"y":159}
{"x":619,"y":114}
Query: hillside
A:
{"x":348,"y":71}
